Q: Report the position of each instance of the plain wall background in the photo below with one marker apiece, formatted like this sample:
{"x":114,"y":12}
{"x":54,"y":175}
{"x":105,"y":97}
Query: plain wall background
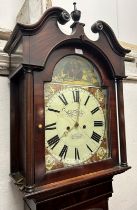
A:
{"x":121,"y":16}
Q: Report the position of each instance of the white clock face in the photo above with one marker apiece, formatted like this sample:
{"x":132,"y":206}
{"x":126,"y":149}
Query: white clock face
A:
{"x":74,"y":125}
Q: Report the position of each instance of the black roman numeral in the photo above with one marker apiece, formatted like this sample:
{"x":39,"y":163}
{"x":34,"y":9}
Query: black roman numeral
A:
{"x":63,"y":151}
{"x":53,"y":141}
{"x":86,"y":100}
{"x":95,"y":110}
{"x":53,"y":110}
{"x":76,"y":95}
{"x":89,"y":148}
{"x":63,"y":99}
{"x":96,"y":137}
{"x":50,"y":126}
{"x":98,"y":123}
{"x":77,"y":157}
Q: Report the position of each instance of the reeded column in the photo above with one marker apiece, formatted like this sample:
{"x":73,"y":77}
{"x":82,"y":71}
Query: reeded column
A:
{"x":121,"y":118}
{"x":29,"y":114}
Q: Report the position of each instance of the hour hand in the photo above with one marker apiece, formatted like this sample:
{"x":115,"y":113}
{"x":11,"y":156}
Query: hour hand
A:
{"x":68,"y":129}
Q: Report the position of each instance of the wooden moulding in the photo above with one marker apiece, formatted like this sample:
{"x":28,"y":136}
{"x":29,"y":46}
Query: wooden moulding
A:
{"x":56,"y":187}
{"x":75,"y":193}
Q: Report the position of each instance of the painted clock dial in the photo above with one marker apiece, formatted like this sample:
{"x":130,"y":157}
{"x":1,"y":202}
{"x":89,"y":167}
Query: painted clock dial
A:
{"x":74,"y":126}
{"x":75,"y":115}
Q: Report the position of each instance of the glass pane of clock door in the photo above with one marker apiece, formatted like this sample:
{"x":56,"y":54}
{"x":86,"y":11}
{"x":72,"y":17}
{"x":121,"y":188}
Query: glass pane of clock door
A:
{"x":75,"y":115}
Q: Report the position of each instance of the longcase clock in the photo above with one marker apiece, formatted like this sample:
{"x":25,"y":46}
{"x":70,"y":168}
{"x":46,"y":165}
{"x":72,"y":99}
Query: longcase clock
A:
{"x":67,"y":113}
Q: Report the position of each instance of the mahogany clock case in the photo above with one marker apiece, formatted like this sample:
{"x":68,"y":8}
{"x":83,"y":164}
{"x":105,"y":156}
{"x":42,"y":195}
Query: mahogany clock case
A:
{"x":45,"y":76}
{"x":38,"y":48}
